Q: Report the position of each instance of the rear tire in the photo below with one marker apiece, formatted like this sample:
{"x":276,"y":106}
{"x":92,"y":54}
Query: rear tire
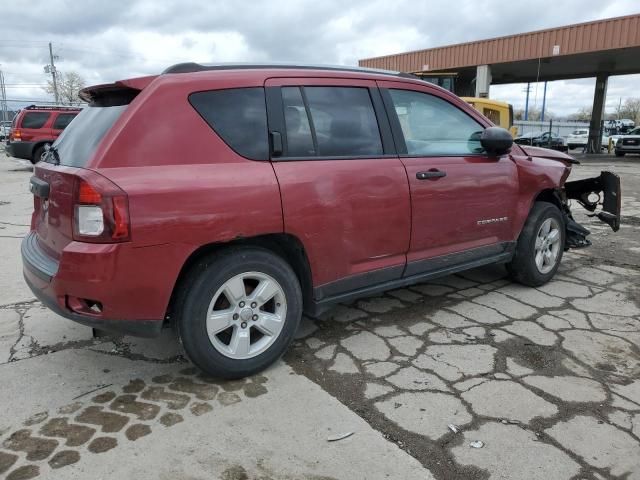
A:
{"x":37,"y":154}
{"x":238,"y":311}
{"x":540,"y":246}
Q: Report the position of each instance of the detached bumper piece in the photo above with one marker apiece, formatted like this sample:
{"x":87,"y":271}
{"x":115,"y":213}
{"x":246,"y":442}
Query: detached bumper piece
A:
{"x":576,"y":233}
{"x":601,"y":191}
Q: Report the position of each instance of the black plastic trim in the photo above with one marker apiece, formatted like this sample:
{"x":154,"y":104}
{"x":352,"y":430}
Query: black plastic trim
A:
{"x":386,"y":135}
{"x":324,"y":304}
{"x":360,"y":280}
{"x":446,"y":261}
{"x":275,"y":118}
{"x":345,"y":157}
{"x":37,"y":261}
{"x":394,"y":122}
{"x":39,"y":187}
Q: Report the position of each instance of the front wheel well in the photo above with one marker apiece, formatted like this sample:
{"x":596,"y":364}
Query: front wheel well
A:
{"x":549,"y":195}
{"x":287,"y":246}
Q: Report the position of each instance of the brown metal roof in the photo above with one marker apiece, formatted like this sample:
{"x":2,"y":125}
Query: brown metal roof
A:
{"x":596,"y":36}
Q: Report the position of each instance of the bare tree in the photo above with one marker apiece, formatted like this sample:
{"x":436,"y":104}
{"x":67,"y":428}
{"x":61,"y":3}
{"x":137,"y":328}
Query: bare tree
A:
{"x":533,"y":114}
{"x":630,"y":109}
{"x":583,"y":114}
{"x":69,"y":86}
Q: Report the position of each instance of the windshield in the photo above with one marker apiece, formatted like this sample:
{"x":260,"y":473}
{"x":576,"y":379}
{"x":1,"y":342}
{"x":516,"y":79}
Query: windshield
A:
{"x":80,"y":139}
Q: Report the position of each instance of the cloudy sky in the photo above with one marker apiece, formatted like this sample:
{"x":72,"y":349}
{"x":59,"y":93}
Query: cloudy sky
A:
{"x":109,"y":40}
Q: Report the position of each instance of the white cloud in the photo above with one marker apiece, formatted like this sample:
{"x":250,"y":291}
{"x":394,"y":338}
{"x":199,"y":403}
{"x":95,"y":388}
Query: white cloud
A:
{"x":106,"y":41}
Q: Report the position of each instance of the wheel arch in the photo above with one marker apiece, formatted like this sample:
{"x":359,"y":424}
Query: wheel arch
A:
{"x":553,"y":195}
{"x":287,"y":246}
{"x":37,"y":145}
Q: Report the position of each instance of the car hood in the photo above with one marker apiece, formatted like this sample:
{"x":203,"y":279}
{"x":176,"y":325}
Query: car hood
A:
{"x":548,"y":153}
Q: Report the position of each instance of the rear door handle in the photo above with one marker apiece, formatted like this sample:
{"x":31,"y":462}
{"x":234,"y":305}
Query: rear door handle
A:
{"x":430,"y":174}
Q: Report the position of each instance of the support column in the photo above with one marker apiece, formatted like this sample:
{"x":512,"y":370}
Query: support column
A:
{"x":483,"y":80}
{"x":597,"y":114}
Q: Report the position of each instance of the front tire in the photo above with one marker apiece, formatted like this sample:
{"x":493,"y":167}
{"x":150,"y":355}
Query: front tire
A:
{"x":540,"y":246}
{"x":238,"y":311}
{"x":619,"y":154}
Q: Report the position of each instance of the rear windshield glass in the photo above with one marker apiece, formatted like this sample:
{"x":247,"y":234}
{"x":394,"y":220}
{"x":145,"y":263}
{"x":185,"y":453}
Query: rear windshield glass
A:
{"x":80,"y":139}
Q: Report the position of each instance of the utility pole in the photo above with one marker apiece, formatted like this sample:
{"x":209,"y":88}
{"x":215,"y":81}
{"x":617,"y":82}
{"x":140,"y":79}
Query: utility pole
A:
{"x":3,"y":94}
{"x":544,"y":102}
{"x":526,"y":105}
{"x":52,"y":69}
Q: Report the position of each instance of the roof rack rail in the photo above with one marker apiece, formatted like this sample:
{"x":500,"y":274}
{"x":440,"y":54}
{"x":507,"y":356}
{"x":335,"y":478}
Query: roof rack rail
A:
{"x":192,"y":67}
{"x":53,"y":107}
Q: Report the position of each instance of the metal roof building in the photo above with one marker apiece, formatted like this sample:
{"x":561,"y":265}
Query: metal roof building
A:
{"x":593,"y":49}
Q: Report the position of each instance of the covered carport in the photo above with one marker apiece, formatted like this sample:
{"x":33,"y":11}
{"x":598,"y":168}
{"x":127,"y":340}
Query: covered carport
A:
{"x":594,"y":49}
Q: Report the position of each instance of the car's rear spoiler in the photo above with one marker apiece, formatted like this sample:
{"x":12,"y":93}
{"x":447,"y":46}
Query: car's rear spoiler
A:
{"x":117,"y":93}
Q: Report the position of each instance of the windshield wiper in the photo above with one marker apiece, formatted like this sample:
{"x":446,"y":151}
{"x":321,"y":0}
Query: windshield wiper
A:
{"x":53,"y":152}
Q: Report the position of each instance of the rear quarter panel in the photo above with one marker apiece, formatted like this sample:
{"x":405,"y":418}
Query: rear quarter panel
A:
{"x":186,"y":187}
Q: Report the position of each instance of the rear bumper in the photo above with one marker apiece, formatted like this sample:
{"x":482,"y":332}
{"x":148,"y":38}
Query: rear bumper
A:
{"x":138,"y":328}
{"x":64,"y":285}
{"x":22,"y":150}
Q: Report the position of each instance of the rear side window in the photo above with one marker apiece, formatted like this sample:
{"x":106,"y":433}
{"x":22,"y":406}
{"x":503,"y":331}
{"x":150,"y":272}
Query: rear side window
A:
{"x":299,"y":138}
{"x":35,"y":119}
{"x":432,"y":126}
{"x":62,"y":120}
{"x":239,"y":116}
{"x":341,"y":122}
{"x":76,"y":144}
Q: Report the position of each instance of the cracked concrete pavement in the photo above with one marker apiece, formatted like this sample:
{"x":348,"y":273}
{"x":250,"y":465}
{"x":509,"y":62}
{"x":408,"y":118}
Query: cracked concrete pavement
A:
{"x":547,"y":379}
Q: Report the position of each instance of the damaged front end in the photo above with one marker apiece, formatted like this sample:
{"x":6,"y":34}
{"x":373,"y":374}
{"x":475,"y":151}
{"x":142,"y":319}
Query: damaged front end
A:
{"x":603,"y":191}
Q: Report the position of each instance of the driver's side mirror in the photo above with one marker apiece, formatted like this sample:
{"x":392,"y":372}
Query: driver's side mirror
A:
{"x":496,"y":141}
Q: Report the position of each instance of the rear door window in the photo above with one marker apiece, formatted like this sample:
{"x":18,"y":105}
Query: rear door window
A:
{"x":343,"y":121}
{"x":35,"y":119}
{"x":62,"y":120}
{"x":300,"y":141}
{"x":239,"y":116}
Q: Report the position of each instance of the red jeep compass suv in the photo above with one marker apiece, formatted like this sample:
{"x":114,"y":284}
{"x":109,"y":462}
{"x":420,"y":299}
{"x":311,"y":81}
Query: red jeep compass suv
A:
{"x":36,"y":127}
{"x":228,"y":200}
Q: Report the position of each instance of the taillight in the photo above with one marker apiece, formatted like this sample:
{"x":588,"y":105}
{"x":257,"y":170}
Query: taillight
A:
{"x":16,"y":135}
{"x":100,"y":217}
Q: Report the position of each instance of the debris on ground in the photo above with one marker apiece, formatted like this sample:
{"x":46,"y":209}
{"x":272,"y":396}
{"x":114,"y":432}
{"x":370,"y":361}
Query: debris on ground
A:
{"x":453,"y":428}
{"x":476,"y":444}
{"x":342,"y":436}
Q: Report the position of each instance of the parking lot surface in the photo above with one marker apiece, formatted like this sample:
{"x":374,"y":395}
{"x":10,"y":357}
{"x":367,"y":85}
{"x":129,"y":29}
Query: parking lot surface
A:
{"x":468,"y":377}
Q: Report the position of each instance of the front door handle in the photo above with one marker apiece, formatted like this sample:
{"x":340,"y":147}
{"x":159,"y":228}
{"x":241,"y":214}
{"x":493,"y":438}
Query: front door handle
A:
{"x":430,"y":174}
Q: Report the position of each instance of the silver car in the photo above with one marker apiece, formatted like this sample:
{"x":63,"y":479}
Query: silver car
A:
{"x":629,"y":143}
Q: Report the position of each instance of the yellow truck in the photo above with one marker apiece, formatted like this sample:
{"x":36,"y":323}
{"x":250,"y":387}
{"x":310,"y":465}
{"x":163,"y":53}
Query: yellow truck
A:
{"x":500,"y":113}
